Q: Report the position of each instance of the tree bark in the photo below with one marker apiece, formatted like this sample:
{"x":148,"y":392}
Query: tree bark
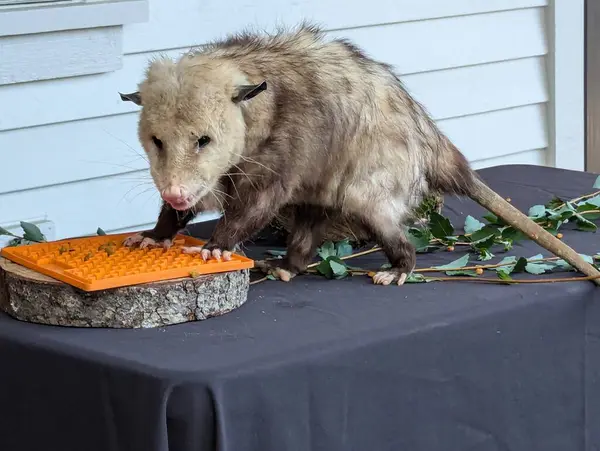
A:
{"x":33,"y":297}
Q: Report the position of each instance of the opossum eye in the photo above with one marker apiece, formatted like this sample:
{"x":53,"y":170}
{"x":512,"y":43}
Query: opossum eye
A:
{"x":203,"y":141}
{"x":157,"y":142}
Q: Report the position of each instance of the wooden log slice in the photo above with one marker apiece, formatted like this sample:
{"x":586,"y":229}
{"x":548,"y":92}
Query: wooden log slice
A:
{"x":33,"y":297}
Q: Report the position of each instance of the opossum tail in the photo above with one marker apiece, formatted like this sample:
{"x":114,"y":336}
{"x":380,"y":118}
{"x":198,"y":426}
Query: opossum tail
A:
{"x":455,"y":176}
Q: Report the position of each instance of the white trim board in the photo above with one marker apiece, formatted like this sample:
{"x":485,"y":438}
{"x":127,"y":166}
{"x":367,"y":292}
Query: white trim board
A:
{"x":46,"y":17}
{"x":566,"y":70}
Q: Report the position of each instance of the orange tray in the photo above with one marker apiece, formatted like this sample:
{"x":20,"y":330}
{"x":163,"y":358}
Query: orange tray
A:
{"x":102,"y":262}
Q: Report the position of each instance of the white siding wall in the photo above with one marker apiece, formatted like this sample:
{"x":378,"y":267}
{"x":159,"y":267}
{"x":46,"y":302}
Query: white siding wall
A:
{"x":69,"y":150}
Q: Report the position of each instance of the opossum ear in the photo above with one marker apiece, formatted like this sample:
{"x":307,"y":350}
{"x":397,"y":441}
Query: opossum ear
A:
{"x":132,"y":97}
{"x":246,"y":92}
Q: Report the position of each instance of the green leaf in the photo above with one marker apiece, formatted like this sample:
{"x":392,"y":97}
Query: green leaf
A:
{"x":563,"y":264}
{"x":563,"y":213}
{"x":343,"y":248}
{"x":326,"y":250}
{"x":462,"y":272}
{"x":493,"y":219}
{"x":554,"y":203}
{"x":554,"y":225}
{"x":597,"y":183}
{"x":419,"y":240}
{"x":339,"y":269}
{"x":508,"y":245}
{"x":100,"y":232}
{"x":332,"y":267}
{"x":482,"y":248}
{"x":485,"y":234}
{"x":520,"y":265}
{"x":417,"y":278}
{"x":32,"y":232}
{"x":3,"y":231}
{"x":440,"y":226}
{"x":582,"y":209}
{"x":275,"y":253}
{"x":538,"y":268}
{"x":595,"y":201}
{"x":271,"y":277}
{"x":472,"y":225}
{"x":512,"y":234}
{"x":324,"y":268}
{"x":536,"y":257}
{"x":484,"y":255}
{"x":506,"y":261}
{"x":537,"y":211}
{"x":385,"y":266}
{"x":503,"y":275}
{"x":419,"y":233}
{"x":459,"y":263}
{"x":585,"y":225}
{"x":511,"y":264}
{"x":587,"y":258}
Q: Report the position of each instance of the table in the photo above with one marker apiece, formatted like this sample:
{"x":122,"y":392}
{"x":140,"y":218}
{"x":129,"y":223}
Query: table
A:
{"x":320,"y":365}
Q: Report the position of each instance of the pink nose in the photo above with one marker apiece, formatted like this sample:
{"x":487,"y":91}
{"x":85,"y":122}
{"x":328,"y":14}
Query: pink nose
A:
{"x":174,"y":195}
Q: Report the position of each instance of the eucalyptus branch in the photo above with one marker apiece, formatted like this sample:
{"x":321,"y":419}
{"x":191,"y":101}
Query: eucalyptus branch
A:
{"x":497,"y":265}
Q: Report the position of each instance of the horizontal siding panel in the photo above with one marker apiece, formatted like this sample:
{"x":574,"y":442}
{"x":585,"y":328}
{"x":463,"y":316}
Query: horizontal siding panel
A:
{"x":454,"y":42}
{"x":72,"y":151}
{"x":34,"y":57}
{"x":537,"y":157}
{"x":69,"y":99}
{"x":193,"y":22}
{"x":477,"y":89}
{"x":498,"y":133}
{"x":445,"y":93}
{"x":119,"y":201}
{"x":109,"y":146}
{"x":80,"y":208}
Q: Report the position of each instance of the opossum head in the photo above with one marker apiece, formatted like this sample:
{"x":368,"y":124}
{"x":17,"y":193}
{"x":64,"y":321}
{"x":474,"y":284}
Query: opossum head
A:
{"x":191,"y":124}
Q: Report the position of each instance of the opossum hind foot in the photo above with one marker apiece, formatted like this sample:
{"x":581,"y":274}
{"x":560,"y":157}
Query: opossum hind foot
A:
{"x":271,"y":268}
{"x":392,"y":276}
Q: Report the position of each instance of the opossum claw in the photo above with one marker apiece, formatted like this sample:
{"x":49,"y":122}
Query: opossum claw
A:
{"x":216,"y":253}
{"x":148,"y":242}
{"x":388,"y":277}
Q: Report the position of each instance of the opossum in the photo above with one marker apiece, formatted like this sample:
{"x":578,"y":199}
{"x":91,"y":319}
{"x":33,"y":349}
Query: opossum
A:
{"x":256,"y":124}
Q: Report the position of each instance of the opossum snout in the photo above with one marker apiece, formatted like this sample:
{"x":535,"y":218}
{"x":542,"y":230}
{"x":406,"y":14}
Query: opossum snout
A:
{"x":177,"y":196}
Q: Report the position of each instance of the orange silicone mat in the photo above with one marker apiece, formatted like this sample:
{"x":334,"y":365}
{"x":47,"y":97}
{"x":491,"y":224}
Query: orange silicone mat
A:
{"x":102,"y":262}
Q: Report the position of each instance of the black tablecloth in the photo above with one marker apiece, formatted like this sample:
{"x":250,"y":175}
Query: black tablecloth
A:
{"x":320,"y":365}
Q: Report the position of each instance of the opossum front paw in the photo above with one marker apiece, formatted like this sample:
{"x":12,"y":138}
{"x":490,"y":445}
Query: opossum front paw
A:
{"x":207,"y":254}
{"x":146,"y":242}
{"x":391,"y":276}
{"x":271,"y":268}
